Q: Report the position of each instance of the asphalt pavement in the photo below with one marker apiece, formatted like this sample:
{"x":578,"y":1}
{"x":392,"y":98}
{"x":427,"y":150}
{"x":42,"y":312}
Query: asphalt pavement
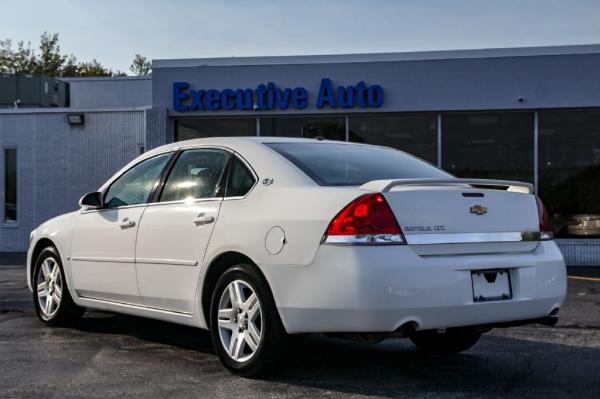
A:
{"x":110,"y":355}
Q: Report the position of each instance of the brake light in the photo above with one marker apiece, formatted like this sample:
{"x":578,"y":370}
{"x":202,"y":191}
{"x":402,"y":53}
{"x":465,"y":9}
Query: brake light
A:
{"x":367,"y":220}
{"x":546,"y":232}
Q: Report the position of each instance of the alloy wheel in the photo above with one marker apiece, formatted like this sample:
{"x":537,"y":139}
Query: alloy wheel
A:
{"x":240,"y":321}
{"x":49,"y":287}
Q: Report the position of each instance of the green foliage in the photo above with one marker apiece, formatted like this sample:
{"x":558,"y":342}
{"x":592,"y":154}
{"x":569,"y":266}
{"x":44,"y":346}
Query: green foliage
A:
{"x":25,"y":60}
{"x":50,"y":60}
{"x":141,"y":66}
{"x":20,"y":60}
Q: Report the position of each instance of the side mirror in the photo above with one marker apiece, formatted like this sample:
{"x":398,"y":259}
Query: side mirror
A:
{"x":91,"y":201}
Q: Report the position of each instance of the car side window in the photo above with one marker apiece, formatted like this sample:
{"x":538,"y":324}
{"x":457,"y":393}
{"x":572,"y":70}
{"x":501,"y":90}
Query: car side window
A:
{"x":240,"y":181}
{"x":134,"y":186}
{"x":196,"y":174}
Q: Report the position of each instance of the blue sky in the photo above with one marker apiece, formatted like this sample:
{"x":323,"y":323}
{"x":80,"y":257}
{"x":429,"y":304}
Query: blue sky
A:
{"x":113,"y":31}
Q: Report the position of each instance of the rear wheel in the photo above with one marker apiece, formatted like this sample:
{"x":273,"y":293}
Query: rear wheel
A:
{"x":451,"y":340}
{"x":53,"y":303}
{"x":245,"y":327}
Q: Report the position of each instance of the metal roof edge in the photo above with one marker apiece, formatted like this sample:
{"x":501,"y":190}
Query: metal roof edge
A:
{"x":22,"y":111}
{"x":380,"y":57}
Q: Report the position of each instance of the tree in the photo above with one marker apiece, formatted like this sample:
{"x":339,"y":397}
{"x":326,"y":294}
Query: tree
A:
{"x":70,"y":67}
{"x":94,"y":68}
{"x":21,"y":60}
{"x":24,"y":60}
{"x":50,"y":61}
{"x":141,"y":66}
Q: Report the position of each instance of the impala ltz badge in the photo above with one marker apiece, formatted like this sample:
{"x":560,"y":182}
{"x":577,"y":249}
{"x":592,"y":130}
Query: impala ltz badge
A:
{"x":478,"y":210}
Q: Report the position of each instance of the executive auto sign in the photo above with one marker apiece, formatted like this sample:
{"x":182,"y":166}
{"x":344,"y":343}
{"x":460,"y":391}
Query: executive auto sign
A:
{"x":271,"y":97}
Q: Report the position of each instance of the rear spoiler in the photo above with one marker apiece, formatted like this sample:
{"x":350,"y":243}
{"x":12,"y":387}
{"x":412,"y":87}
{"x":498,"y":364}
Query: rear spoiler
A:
{"x":386,"y":185}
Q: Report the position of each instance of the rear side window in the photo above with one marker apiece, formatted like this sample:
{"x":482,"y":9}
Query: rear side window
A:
{"x":241,"y":180}
{"x":195,"y":175}
{"x":332,"y":164}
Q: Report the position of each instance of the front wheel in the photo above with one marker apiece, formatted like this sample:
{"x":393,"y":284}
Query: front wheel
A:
{"x":446,"y":341}
{"x":53,"y":303}
{"x":246,"y":330}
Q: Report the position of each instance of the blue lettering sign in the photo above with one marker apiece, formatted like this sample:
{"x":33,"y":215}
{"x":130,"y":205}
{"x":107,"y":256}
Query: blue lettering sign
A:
{"x":270,"y":97}
{"x":299,"y":98}
{"x":326,"y":95}
{"x":179,"y":96}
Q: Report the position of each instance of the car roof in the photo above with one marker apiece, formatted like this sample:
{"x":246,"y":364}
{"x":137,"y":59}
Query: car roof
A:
{"x":255,"y":139}
{"x":239,"y":143}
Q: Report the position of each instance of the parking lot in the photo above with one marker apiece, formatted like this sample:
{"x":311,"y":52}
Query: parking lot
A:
{"x":111,"y":355}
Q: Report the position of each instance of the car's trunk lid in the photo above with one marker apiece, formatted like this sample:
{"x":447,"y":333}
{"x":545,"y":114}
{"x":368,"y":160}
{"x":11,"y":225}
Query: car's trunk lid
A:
{"x":463,"y":216}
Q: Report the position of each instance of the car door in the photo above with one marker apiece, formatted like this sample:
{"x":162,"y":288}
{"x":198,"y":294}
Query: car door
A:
{"x":175,"y":231}
{"x":103,"y":241}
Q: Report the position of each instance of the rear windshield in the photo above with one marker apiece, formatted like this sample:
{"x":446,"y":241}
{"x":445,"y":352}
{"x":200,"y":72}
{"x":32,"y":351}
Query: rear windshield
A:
{"x":332,"y":164}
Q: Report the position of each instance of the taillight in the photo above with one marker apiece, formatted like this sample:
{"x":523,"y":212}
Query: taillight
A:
{"x":367,"y":220}
{"x":546,"y":232}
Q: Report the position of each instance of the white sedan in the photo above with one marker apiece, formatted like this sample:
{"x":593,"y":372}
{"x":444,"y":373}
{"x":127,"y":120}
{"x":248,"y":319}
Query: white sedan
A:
{"x":258,"y":238}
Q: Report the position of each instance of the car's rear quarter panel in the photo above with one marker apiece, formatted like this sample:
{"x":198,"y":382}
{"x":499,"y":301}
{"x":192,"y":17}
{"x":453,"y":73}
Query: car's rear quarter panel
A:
{"x":302,"y":212}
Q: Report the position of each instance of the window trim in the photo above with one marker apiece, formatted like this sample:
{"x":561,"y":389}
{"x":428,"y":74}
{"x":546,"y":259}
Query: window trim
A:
{"x":5,"y":224}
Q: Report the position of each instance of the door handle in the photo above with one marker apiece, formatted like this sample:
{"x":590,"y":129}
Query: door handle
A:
{"x":203,"y":219}
{"x":126,"y":223}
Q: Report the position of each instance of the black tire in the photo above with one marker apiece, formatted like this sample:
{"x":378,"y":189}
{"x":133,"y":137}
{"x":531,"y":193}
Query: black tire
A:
{"x":272,"y":341}
{"x":452,"y":340}
{"x":67,"y":313}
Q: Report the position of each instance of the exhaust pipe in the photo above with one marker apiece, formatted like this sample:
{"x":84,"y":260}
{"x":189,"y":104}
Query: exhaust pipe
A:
{"x":405,"y":330}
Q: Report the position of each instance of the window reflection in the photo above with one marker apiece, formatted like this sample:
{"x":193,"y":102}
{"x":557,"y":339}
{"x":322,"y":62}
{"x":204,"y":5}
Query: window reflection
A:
{"x":331,"y":128}
{"x":412,"y":133}
{"x":569,"y":170}
{"x":134,"y":186}
{"x":194,"y":128}
{"x":195,"y":175}
{"x":489,"y":145}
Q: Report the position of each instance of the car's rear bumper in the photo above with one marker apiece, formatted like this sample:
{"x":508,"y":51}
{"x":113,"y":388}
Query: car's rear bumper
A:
{"x":379,"y":289}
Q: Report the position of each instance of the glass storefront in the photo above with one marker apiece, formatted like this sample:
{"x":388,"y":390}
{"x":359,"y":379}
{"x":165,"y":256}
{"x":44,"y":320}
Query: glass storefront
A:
{"x":186,"y":129}
{"x":412,"y":133}
{"x":499,"y":145}
{"x":490,"y":145}
{"x":569,"y":170}
{"x":331,"y":128}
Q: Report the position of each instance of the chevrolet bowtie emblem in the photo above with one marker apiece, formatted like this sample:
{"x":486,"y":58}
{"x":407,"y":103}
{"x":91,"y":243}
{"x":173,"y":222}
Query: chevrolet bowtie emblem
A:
{"x":478,"y":210}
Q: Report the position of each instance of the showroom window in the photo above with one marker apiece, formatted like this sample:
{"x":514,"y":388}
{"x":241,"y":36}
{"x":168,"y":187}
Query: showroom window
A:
{"x":412,"y":133}
{"x":10,"y":185}
{"x":186,"y":129}
{"x":331,"y":128}
{"x":569,"y":170}
{"x":489,"y":145}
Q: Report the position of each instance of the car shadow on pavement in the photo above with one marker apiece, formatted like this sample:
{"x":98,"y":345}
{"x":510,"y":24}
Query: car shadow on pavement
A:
{"x":496,"y":366}
{"x":146,"y":329}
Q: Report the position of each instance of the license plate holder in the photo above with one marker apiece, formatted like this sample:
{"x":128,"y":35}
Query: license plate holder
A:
{"x":491,"y":285}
